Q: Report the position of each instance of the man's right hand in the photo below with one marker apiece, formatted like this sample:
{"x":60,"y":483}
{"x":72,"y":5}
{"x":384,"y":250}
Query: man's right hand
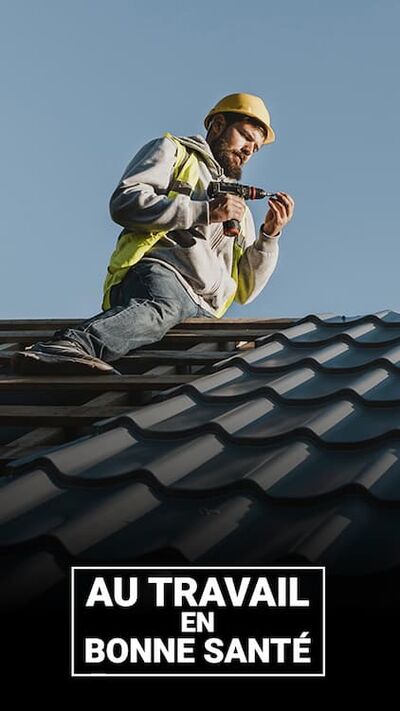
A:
{"x":226,"y":207}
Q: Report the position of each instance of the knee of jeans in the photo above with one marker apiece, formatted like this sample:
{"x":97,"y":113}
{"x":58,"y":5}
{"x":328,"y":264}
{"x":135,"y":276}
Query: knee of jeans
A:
{"x":158,"y":315}
{"x":170,"y":313}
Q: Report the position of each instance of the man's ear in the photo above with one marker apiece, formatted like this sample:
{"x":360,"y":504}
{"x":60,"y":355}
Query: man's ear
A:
{"x":217,"y":126}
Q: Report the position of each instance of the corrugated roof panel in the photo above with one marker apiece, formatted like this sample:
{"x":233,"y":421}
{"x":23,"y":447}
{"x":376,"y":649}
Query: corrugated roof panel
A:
{"x":295,"y":468}
{"x":282,"y":354}
{"x":376,"y":384}
{"x":340,"y":420}
{"x":290,"y":449}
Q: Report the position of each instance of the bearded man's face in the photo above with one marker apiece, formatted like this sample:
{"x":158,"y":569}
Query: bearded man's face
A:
{"x":235,"y":146}
{"x":227,"y":157}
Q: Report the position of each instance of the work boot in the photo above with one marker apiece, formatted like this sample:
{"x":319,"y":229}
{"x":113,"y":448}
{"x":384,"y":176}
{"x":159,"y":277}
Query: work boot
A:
{"x":63,"y":357}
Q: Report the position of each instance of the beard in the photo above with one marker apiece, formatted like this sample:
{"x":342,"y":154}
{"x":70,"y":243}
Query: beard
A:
{"x":226,"y":157}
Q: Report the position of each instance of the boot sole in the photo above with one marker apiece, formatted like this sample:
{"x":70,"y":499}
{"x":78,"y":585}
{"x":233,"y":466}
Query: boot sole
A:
{"x":32,"y":363}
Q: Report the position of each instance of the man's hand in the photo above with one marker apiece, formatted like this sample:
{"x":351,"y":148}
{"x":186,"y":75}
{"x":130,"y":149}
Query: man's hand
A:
{"x":279,"y":214}
{"x":226,"y":207}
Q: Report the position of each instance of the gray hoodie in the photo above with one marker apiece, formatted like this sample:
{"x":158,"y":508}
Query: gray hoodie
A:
{"x":197,"y":251}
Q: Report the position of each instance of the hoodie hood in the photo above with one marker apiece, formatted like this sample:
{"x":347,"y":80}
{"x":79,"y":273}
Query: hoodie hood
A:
{"x":198,"y":143}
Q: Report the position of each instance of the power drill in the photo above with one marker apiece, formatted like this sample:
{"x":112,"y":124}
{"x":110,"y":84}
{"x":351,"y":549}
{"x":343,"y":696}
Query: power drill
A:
{"x":248,"y":192}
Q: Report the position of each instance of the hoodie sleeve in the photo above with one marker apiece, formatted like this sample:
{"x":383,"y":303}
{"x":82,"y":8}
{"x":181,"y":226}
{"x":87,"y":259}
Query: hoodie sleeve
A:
{"x":141,"y":198}
{"x":257,"y":262}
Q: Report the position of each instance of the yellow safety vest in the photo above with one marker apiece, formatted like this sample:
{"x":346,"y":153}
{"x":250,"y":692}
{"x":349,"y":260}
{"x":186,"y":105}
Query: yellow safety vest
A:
{"x":133,"y":245}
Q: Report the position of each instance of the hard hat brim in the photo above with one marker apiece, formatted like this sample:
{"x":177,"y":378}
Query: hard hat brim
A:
{"x":270,"y":138}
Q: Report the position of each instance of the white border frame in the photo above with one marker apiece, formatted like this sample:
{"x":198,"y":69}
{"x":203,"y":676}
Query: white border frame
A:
{"x":195,"y":567}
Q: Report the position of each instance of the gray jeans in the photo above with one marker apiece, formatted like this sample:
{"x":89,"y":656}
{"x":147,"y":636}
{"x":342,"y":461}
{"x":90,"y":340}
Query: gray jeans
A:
{"x":144,"y":306}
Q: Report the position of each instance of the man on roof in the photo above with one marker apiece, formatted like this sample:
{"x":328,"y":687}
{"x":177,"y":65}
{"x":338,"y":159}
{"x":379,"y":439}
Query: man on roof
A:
{"x":173,"y":260}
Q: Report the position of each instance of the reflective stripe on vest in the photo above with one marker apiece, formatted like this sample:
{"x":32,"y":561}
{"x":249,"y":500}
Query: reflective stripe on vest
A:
{"x":132,"y":245}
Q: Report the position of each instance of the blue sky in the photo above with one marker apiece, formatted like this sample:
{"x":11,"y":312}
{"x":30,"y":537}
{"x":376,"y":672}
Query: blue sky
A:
{"x":86,"y":83}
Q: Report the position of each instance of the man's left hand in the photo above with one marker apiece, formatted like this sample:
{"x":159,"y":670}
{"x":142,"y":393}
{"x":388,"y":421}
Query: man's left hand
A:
{"x":279,"y":214}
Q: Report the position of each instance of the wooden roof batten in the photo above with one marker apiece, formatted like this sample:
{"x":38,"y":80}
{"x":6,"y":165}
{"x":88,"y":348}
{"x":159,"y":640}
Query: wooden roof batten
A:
{"x":41,"y":412}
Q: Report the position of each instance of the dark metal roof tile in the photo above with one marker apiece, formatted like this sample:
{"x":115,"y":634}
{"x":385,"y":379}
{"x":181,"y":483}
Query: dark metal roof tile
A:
{"x":287,"y":450}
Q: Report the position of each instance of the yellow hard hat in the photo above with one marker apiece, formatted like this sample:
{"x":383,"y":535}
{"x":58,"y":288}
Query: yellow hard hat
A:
{"x":248,"y":105}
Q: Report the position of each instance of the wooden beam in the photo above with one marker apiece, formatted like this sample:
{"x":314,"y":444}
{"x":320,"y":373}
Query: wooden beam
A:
{"x":229,"y":323}
{"x":41,"y":437}
{"x":162,"y":357}
{"x":189,"y":357}
{"x":62,"y":415}
{"x":173,"y":336}
{"x":174,"y":365}
{"x":48,"y":324}
{"x":8,"y":347}
{"x":92,"y":382}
